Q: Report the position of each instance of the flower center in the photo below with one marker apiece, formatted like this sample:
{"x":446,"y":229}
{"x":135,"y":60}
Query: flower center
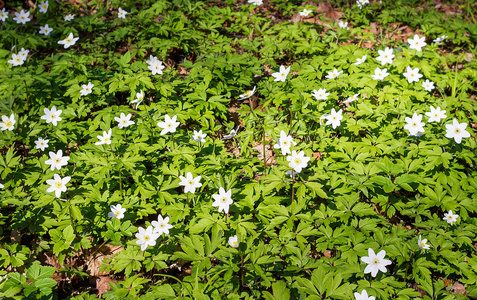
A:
{"x":58,"y":184}
{"x":297,"y":161}
{"x":52,"y":116}
{"x":162,"y":225}
{"x":146,"y":237}
{"x":117,"y":213}
{"x":57,"y":160}
{"x":375,"y":262}
{"x":8,"y":123}
{"x":223,"y":199}
{"x":191,"y":182}
{"x":106,"y":139}
{"x":457,"y":130}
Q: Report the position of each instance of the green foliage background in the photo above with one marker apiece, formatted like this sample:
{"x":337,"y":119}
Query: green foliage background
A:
{"x":368,"y":184}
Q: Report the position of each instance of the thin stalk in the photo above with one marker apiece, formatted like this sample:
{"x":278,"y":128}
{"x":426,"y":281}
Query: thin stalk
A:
{"x":293,"y":191}
{"x":173,"y":141}
{"x":120,"y":184}
{"x":242,"y":271}
{"x":264,"y":152}
{"x":152,"y":128}
{"x":407,"y":266}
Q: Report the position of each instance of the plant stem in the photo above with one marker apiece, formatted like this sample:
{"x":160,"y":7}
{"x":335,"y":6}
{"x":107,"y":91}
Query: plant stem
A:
{"x":152,"y":128}
{"x":293,"y":191}
{"x":407,"y":266}
{"x":120,"y":184}
{"x":242,"y":270}
{"x":264,"y":152}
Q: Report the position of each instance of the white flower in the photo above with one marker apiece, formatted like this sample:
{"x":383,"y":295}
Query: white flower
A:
{"x":17,"y":60}
{"x":386,"y":56}
{"x":117,"y":211}
{"x":199,"y":136}
{"x":223,"y":200}
{"x":457,"y":131}
{"x":256,"y":2}
{"x":69,"y":17}
{"x":360,"y":60}
{"x":363,"y":296}
{"x":122,"y":13}
{"x":333,"y":74}
{"x":417,"y":42}
{"x":169,"y":124}
{"x":123,"y":120}
{"x":282,"y":74}
{"x":41,"y":144}
{"x":450,"y":217}
{"x":423,"y":244}
{"x":23,"y":54}
{"x":22,"y":17}
{"x":7,"y":123}
{"x":334,"y":119}
{"x":51,"y":116}
{"x":440,"y":39}
{"x":152,"y":60}
{"x":375,"y":262}
{"x":436,"y":114}
{"x":232,"y":134}
{"x":323,"y":117}
{"x":45,"y":29}
{"x":1,"y":186}
{"x":57,"y":160}
{"x":305,"y":12}
{"x":87,"y":89}
{"x":428,"y":85}
{"x":161,"y":225}
{"x":69,"y":41}
{"x":291,"y":173}
{"x":146,"y":237}
{"x":105,"y":138}
{"x":380,"y":74}
{"x":343,"y":25}
{"x":247,"y":94}
{"x":190,"y":183}
{"x":284,"y":143}
{"x":412,"y":74}
{"x":139,"y":98}
{"x":414,"y":124}
{"x":298,"y":161}
{"x":321,"y":94}
{"x":3,"y":14}
{"x":43,"y":6}
{"x":352,"y":98}
{"x":362,"y":3}
{"x":233,"y":241}
{"x":58,"y":185}
{"x":155,"y":65}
